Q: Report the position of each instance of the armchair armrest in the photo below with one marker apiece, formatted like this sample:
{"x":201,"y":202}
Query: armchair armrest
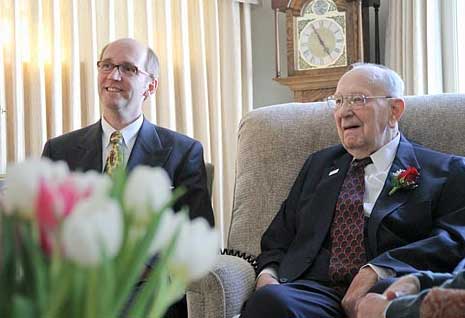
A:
{"x":221,"y":293}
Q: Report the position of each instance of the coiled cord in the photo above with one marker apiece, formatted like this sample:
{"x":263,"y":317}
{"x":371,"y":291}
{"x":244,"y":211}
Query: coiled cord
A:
{"x":252,"y":260}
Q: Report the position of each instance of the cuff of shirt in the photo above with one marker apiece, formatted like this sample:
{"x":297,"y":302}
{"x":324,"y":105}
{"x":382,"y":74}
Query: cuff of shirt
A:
{"x":269,"y":270}
{"x":382,"y":272}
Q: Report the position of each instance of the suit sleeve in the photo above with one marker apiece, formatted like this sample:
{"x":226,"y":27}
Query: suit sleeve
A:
{"x":282,"y":230}
{"x":192,"y":176}
{"x":47,"y":152}
{"x":444,"y":247}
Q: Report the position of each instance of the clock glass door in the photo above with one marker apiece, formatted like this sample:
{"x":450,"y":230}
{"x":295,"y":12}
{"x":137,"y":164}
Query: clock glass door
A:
{"x":321,"y":36}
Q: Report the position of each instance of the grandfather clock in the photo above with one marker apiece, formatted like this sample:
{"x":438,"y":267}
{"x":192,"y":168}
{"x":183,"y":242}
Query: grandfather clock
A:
{"x":323,"y":38}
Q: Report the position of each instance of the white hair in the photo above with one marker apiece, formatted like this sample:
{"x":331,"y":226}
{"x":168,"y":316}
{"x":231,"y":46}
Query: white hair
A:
{"x":391,"y":81}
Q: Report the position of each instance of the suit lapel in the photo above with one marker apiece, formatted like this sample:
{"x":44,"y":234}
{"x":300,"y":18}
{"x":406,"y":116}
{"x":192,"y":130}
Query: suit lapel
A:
{"x":386,"y":204}
{"x":88,"y":154}
{"x":322,"y":210}
{"x":148,"y":149}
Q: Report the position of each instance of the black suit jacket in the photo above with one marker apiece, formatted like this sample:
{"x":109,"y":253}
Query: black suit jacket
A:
{"x":412,"y":230}
{"x":179,"y":155}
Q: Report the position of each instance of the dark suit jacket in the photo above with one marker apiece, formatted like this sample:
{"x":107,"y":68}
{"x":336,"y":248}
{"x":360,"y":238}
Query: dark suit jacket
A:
{"x":412,"y":230}
{"x":179,"y":155}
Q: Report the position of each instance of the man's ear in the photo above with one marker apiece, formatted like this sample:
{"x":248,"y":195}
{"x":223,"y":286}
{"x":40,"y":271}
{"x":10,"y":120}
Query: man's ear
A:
{"x":152,"y":87}
{"x":397,"y":110}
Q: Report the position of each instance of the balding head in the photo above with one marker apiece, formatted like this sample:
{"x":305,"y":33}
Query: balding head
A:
{"x":151,"y":64}
{"x":381,"y":78}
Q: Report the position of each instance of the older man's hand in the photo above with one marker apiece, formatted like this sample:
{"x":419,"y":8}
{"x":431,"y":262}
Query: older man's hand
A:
{"x":405,"y":285}
{"x":361,"y":284}
{"x":372,"y":306}
{"x":266,"y":279}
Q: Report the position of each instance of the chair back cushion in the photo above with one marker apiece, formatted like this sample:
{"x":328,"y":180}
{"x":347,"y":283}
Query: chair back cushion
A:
{"x":274,"y":142}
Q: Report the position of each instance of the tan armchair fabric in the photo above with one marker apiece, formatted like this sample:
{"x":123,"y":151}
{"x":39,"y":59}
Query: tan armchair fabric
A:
{"x":273,"y":143}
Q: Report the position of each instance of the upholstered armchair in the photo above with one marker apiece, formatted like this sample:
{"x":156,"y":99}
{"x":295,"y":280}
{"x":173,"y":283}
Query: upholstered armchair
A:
{"x":273,"y":143}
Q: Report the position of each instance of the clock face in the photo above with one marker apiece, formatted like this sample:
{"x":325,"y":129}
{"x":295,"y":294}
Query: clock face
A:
{"x":321,"y":44}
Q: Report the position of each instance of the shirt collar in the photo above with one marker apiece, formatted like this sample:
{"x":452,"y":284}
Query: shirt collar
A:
{"x":129,"y":132}
{"x":384,"y":156}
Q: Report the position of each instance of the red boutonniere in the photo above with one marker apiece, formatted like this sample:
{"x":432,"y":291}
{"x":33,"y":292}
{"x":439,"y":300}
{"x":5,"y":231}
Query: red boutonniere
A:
{"x":404,"y":179}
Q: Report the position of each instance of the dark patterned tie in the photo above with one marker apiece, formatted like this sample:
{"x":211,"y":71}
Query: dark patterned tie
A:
{"x":115,"y":156}
{"x":347,"y":241}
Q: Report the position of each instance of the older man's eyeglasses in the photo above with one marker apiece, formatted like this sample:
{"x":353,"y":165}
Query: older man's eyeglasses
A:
{"x":127,"y":69}
{"x":352,"y":101}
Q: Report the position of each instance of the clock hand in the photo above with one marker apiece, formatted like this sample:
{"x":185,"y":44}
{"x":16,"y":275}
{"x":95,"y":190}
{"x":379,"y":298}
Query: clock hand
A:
{"x":321,"y":40}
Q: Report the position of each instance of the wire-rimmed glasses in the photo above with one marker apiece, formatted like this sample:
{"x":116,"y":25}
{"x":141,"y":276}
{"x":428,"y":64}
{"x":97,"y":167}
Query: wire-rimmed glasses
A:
{"x":126,"y":68}
{"x":358,"y":101}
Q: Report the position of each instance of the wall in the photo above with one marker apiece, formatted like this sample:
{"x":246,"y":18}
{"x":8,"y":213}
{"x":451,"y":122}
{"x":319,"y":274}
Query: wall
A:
{"x":267,"y":91}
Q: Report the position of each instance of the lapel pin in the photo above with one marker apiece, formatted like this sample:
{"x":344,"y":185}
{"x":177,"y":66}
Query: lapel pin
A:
{"x":333,"y":172}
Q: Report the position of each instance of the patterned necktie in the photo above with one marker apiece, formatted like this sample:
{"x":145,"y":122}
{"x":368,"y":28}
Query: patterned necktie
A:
{"x":115,"y":156}
{"x":347,"y":241}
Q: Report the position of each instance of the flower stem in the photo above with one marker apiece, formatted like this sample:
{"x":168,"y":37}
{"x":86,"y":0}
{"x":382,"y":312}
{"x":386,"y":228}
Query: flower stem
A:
{"x":393,"y":190}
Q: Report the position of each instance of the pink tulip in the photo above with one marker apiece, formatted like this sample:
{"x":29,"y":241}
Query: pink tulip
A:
{"x":46,"y":218}
{"x":70,"y":195}
{"x":45,"y":206}
{"x":54,"y":203}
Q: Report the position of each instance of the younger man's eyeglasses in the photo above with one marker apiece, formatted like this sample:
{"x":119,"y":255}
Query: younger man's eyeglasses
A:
{"x":127,"y":69}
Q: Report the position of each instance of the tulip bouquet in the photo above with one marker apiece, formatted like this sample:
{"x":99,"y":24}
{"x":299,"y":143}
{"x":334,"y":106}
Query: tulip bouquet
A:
{"x":75,"y":244}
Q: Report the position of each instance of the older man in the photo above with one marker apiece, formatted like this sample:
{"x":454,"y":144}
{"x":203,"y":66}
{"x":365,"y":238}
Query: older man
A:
{"x":127,"y":75}
{"x":374,"y":207}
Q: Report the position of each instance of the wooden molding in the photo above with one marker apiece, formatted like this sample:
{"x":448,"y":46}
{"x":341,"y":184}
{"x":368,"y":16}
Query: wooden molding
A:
{"x":309,"y":81}
{"x":310,"y":89}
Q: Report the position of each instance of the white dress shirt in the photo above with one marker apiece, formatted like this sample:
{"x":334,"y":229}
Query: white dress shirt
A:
{"x":129,"y":138}
{"x":376,"y":173}
{"x":375,"y":176}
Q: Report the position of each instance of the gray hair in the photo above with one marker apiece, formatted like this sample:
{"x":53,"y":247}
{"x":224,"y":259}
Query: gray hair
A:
{"x":391,"y":81}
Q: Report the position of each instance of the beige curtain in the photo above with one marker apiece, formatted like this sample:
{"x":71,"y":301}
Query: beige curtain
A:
{"x":48,"y":54}
{"x":425,"y":44}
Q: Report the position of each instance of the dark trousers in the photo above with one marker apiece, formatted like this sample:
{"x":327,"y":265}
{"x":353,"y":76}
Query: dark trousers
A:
{"x":300,"y":299}
{"x":177,"y":310}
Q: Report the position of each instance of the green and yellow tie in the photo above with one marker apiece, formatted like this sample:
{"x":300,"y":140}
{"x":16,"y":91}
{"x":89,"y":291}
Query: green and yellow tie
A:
{"x":115,"y":157}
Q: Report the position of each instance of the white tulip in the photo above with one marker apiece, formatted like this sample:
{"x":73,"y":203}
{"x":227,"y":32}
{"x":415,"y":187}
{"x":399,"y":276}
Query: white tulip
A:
{"x":93,"y":229}
{"x":170,"y":223}
{"x":147,"y":191}
{"x":22,"y":182}
{"x":99,"y":185}
{"x":196,"y":250}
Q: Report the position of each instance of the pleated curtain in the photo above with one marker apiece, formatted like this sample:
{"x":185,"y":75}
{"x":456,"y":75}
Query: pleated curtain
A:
{"x":425,"y":44}
{"x":48,"y":55}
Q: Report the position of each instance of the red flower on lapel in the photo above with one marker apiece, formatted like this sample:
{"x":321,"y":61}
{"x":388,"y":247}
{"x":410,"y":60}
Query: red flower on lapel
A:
{"x":404,"y":179}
